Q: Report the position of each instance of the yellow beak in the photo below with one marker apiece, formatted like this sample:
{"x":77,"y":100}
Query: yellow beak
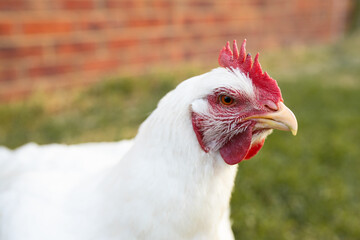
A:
{"x":282,"y":119}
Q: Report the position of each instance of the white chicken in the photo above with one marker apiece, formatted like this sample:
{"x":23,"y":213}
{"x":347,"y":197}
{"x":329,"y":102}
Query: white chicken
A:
{"x":173,"y":181}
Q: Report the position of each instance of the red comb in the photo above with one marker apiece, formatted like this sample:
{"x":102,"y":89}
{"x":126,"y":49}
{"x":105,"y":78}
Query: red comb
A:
{"x":242,"y":61}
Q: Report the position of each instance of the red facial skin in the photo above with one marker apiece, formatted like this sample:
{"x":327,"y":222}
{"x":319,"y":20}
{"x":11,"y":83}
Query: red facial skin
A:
{"x":233,"y":136}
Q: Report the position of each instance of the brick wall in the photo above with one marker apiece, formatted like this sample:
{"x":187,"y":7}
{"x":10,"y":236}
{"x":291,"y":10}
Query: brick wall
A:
{"x":60,"y":43}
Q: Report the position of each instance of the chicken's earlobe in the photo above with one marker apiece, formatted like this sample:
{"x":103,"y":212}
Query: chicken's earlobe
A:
{"x":196,"y":121}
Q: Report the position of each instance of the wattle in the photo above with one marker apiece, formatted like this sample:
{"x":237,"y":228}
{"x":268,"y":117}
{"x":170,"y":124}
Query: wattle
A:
{"x":240,"y":148}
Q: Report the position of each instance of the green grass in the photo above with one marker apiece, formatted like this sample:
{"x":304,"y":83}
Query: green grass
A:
{"x":303,"y":187}
{"x":109,"y":111}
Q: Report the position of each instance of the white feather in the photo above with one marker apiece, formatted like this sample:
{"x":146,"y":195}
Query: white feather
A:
{"x":161,"y":185}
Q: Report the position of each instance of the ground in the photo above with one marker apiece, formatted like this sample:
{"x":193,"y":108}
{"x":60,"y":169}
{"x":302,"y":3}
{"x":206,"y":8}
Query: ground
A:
{"x":303,"y":187}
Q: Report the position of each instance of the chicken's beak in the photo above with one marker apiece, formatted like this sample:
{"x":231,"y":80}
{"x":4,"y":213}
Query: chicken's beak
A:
{"x":282,"y":119}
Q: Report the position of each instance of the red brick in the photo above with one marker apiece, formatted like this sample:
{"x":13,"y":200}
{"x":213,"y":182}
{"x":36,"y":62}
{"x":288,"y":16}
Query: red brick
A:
{"x":145,"y":22}
{"x":148,"y":32}
{"x":124,"y":4}
{"x":193,"y":20}
{"x":93,"y":25}
{"x":307,"y":6}
{"x":48,"y":70}
{"x":122,"y":43}
{"x":203,"y":4}
{"x":11,"y":52}
{"x":163,"y":40}
{"x":14,"y":5}
{"x":6,"y":28}
{"x":162,"y":4}
{"x":106,"y":64}
{"x":47,"y":27}
{"x":146,"y":59}
{"x":68,"y":48}
{"x":7,"y":75}
{"x":78,"y":4}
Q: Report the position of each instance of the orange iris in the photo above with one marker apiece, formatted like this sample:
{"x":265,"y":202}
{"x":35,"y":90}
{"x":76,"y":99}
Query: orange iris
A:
{"x":226,"y":100}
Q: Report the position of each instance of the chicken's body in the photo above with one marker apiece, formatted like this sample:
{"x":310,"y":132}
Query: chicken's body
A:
{"x":168,"y":183}
{"x":139,"y":189}
{"x":87,"y":192}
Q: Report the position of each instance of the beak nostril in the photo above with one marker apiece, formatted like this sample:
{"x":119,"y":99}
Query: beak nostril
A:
{"x":271,"y":105}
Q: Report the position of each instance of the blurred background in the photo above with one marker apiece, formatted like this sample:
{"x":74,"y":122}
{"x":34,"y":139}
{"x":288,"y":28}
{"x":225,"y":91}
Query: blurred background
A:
{"x":75,"y":71}
{"x":65,"y":43}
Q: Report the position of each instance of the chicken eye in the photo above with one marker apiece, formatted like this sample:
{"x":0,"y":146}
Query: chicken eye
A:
{"x":226,"y":100}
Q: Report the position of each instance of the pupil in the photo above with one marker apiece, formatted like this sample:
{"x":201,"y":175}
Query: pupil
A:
{"x":227,"y":99}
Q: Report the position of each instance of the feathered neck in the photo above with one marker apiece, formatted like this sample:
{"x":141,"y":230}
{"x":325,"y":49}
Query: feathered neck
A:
{"x":168,"y":137}
{"x":166,"y":168}
{"x":168,"y":130}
